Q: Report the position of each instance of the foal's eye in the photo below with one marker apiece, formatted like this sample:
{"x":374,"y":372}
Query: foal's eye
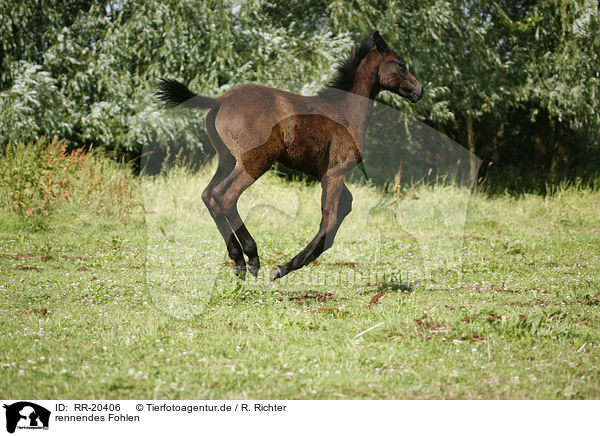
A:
{"x":401,"y":65}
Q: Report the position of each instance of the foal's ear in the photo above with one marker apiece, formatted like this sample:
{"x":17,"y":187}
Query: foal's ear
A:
{"x":380,"y":43}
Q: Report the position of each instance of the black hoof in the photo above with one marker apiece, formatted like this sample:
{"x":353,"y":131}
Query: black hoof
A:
{"x":277,"y":273}
{"x":240,"y":271}
{"x":253,"y":267}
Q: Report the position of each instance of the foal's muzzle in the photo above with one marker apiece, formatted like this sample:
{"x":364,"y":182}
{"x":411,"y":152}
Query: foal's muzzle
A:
{"x":417,"y":95}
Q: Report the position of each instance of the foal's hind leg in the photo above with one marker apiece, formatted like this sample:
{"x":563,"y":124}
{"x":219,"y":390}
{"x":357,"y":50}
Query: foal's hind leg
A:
{"x":227,"y":194}
{"x":336,"y":203}
{"x":226,"y":165}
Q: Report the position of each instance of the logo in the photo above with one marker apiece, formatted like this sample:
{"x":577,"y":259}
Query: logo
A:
{"x":26,"y":415}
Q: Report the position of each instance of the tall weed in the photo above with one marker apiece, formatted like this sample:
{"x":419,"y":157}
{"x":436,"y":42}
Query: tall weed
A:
{"x":36,"y":178}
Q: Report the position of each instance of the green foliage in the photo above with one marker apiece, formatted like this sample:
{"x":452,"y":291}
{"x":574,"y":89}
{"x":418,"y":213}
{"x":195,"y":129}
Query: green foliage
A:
{"x":36,"y":179}
{"x":32,"y":106}
{"x":514,"y":81}
{"x":564,"y":80}
{"x":102,"y":69}
{"x":29,"y":27}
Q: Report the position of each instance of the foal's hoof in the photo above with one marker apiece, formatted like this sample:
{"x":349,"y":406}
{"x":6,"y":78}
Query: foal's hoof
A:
{"x":277,"y":273}
{"x":253,"y":267}
{"x":240,"y":271}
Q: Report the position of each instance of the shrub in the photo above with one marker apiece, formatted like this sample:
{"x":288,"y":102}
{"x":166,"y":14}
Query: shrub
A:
{"x":38,"y":177}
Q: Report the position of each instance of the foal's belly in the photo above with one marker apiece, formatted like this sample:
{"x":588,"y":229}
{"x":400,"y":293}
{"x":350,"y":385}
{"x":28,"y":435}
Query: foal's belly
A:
{"x":316,"y":144}
{"x":306,"y":143}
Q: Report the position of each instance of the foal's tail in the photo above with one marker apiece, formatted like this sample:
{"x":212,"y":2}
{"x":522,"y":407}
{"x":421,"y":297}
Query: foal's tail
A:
{"x":175,"y":93}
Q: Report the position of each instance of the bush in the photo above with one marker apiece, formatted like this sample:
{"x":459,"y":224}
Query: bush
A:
{"x":37,"y":178}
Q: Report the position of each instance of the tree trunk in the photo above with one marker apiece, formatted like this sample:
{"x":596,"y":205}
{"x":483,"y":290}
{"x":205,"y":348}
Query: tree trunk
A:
{"x":496,"y":142}
{"x":471,"y":145}
{"x":542,"y":130}
{"x":559,"y":169}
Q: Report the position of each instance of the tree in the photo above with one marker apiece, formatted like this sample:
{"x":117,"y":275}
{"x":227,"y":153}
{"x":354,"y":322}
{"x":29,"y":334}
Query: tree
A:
{"x":515,"y":81}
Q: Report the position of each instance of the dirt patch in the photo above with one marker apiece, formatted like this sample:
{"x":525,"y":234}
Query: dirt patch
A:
{"x":585,"y":321}
{"x":476,"y":287}
{"x":79,"y":257}
{"x":541,"y":303}
{"x":375,"y":299}
{"x":26,"y":268}
{"x":317,"y":296}
{"x":42,"y":311}
{"x":325,"y":309}
{"x":342,"y":263}
{"x":383,"y":285}
{"x":473,"y":338}
{"x":18,"y":256}
{"x":397,"y":333}
{"x":502,"y":288}
{"x":588,"y":300}
{"x":493,"y":318}
{"x":426,"y":324}
{"x":27,"y":256}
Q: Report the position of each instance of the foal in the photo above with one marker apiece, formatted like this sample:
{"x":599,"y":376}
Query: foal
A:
{"x":252,"y":126}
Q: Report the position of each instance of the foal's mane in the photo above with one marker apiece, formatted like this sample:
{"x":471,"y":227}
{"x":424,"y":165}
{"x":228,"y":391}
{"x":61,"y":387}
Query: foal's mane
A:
{"x":346,"y":70}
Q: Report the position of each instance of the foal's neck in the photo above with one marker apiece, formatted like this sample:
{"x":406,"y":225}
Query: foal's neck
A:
{"x":363,"y":91}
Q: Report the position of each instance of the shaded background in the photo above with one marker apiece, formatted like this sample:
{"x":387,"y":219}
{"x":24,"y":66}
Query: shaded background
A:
{"x":516,"y":82}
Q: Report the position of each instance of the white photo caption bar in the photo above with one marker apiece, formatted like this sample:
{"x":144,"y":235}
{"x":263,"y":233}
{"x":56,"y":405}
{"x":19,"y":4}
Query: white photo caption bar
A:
{"x":271,"y":417}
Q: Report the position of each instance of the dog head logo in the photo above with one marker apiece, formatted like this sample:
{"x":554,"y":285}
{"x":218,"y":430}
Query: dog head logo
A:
{"x":26,"y":415}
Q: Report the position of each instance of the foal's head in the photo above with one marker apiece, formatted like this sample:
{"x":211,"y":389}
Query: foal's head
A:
{"x":393,"y":72}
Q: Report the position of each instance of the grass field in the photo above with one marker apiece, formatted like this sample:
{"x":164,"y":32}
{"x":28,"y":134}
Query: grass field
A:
{"x":125,"y":291}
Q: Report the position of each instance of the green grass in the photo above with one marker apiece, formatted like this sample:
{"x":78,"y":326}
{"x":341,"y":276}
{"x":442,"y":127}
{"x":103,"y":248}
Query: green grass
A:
{"x":96,"y":302}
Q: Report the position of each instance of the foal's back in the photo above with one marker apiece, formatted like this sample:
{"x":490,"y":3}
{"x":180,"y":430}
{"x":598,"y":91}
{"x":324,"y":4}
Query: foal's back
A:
{"x":257,"y":123}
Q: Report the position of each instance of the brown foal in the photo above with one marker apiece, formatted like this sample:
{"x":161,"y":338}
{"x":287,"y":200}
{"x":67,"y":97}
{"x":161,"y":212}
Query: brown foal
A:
{"x":252,"y":126}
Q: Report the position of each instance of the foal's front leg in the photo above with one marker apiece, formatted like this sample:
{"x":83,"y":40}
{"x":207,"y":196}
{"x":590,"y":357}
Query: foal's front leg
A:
{"x":336,"y":203}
